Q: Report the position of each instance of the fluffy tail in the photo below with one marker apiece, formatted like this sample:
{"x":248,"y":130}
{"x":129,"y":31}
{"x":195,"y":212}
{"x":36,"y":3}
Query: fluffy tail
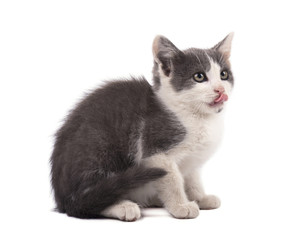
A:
{"x":93,"y":197}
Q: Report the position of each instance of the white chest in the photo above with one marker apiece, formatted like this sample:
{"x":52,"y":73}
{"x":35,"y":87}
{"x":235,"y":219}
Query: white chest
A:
{"x":202,"y":139}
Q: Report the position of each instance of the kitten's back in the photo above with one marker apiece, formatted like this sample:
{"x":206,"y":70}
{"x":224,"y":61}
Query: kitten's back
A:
{"x":94,"y":152}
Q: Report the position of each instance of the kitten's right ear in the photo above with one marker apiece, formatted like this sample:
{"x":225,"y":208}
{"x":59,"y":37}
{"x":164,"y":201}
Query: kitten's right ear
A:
{"x":164,"y":51}
{"x":225,"y":45}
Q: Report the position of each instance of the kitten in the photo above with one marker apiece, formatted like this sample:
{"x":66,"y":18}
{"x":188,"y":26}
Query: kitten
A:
{"x":129,"y":144}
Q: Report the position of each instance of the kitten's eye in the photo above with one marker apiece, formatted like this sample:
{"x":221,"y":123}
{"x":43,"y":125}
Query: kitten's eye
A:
{"x":224,"y":75}
{"x":200,"y":77}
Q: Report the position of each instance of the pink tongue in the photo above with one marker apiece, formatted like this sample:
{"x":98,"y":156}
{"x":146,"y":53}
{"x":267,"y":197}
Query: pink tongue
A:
{"x":221,"y":98}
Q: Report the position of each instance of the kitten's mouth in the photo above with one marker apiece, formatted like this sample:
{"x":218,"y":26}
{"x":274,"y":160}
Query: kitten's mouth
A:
{"x":219,"y":100}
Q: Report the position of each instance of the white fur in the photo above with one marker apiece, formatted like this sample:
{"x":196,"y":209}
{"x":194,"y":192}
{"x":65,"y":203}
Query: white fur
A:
{"x":124,"y":210}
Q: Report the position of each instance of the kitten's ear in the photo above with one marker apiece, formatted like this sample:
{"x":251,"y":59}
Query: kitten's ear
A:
{"x":225,"y":45}
{"x":164,"y":52}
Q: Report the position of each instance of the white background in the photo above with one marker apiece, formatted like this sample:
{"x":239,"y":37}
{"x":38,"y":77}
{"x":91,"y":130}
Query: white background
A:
{"x":51,"y":52}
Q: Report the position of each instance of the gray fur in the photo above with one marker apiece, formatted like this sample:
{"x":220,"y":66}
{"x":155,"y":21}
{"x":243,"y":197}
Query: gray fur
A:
{"x":162,"y":130}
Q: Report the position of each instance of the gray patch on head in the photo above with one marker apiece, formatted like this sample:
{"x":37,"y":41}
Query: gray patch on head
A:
{"x":194,"y":61}
{"x":191,"y":61}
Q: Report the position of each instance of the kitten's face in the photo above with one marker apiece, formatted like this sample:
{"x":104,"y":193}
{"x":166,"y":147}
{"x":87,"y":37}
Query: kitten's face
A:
{"x":200,"y":80}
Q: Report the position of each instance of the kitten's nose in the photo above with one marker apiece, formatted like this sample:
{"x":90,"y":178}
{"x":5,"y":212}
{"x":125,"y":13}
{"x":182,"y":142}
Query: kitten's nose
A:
{"x":219,"y":89}
{"x":222,"y":95}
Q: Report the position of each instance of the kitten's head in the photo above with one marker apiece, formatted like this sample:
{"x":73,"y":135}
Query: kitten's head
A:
{"x":196,"y":79}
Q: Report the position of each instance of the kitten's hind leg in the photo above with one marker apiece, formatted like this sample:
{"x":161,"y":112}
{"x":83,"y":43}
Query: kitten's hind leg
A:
{"x":124,"y":210}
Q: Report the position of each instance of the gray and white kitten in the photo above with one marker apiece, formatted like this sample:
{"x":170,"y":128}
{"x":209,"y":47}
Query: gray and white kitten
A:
{"x":129,"y":145}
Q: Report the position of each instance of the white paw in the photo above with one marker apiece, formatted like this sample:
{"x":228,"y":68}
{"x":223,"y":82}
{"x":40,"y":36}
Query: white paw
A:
{"x":129,"y":212}
{"x":209,"y":202}
{"x":124,"y":210}
{"x":186,"y":210}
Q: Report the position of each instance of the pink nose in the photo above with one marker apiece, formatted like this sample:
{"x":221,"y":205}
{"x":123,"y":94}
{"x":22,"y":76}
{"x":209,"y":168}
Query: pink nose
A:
{"x":222,"y":95}
{"x":219,"y":89}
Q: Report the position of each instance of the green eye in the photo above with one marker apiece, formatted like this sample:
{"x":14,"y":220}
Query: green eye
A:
{"x":224,"y":75}
{"x":200,"y":77}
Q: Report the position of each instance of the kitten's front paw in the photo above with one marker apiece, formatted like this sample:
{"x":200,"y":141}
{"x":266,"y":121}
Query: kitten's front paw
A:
{"x":209,"y":202}
{"x":129,"y":212}
{"x":186,"y":210}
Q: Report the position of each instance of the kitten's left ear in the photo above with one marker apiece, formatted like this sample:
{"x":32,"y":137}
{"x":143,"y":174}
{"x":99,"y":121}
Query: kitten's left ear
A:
{"x":164,"y":52}
{"x":225,"y":45}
